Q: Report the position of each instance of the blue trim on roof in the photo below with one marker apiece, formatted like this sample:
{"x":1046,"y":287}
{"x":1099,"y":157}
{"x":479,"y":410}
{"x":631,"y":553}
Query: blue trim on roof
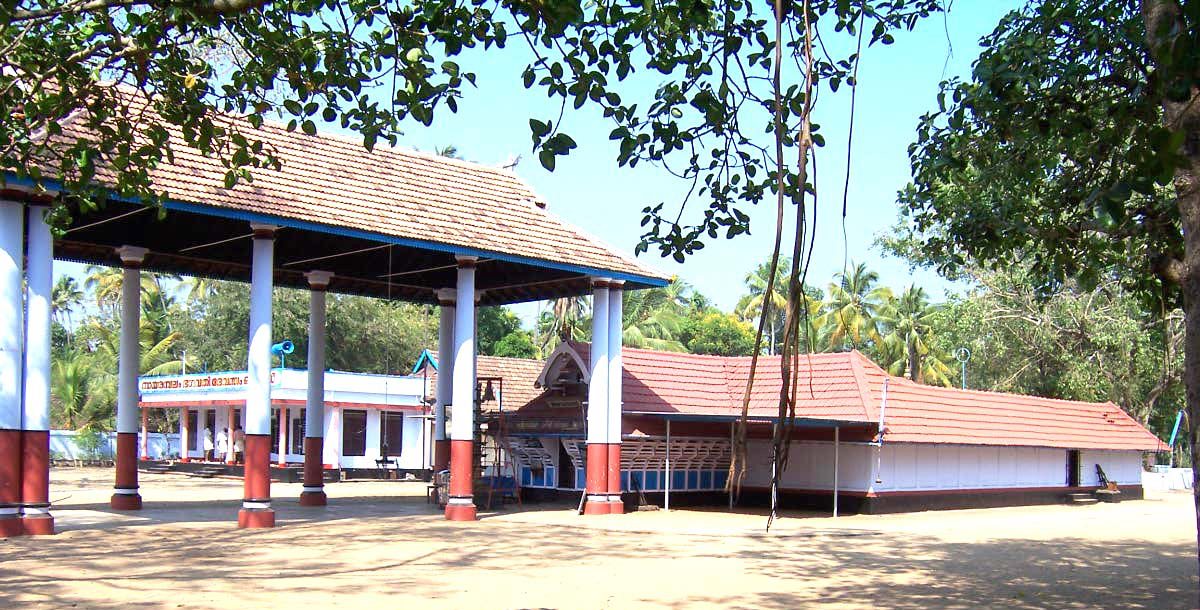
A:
{"x":207,"y":210}
{"x":426,"y":357}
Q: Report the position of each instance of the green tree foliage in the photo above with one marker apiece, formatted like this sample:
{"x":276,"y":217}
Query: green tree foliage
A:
{"x":906,"y":346}
{"x":656,"y":318}
{"x":854,"y":299}
{"x":750,"y":307}
{"x":1075,"y":149}
{"x":1095,"y":345}
{"x":517,"y":344}
{"x":369,"y":66}
{"x":494,"y":324}
{"x":567,"y":319}
{"x":718,"y":334}
{"x":1053,"y":155}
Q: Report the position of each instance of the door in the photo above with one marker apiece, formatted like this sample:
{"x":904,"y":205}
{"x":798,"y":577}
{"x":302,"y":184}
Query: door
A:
{"x":566,"y":468}
{"x":1073,"y":468}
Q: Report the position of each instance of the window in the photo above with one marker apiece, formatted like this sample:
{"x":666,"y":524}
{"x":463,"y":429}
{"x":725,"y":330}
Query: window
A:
{"x":391,"y":433}
{"x":296,"y":438}
{"x":354,"y":433}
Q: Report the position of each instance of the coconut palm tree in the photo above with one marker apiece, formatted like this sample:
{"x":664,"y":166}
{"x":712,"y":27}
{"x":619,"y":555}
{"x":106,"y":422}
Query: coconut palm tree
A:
{"x":750,"y":308}
{"x":73,"y":400}
{"x":655,"y":318}
{"x":907,"y":348}
{"x":566,"y":320}
{"x":851,"y":307}
{"x":65,"y":297}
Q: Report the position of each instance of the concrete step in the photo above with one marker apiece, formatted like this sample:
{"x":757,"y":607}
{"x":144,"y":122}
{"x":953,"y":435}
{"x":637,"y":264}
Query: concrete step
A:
{"x":1081,"y":498}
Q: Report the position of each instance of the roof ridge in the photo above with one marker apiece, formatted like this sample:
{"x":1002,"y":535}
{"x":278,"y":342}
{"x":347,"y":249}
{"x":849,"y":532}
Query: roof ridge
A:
{"x":860,"y":378}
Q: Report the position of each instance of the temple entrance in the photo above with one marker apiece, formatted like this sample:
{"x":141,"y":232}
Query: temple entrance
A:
{"x":566,"y":469}
{"x":1073,"y":468}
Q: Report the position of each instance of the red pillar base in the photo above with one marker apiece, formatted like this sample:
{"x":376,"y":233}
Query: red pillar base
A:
{"x":41,"y":525}
{"x":126,"y":502}
{"x":460,"y":512}
{"x":616,"y":507}
{"x":256,"y":518}
{"x":10,"y":527}
{"x":601,"y":507}
{"x":313,"y":498}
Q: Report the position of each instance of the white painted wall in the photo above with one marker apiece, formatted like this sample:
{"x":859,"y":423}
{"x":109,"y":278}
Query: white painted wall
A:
{"x":921,"y":467}
{"x":1122,"y":467}
{"x":413,"y":454}
{"x":810,"y":466}
{"x":63,"y":446}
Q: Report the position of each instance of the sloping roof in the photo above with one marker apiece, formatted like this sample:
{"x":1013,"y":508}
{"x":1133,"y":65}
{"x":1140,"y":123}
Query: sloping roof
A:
{"x":849,"y":387}
{"x":931,"y":414}
{"x":666,"y":382}
{"x":425,"y":199}
{"x":519,"y":375}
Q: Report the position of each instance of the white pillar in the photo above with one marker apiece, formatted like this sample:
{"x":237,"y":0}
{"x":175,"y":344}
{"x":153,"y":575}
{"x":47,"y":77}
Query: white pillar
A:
{"x":615,"y":320}
{"x":258,"y":369}
{"x":130,"y":349}
{"x":461,"y":505}
{"x":615,"y":332}
{"x":285,"y":422}
{"x":597,"y":411}
{"x":12,"y":230}
{"x":597,"y":485}
{"x":836,"y":451}
{"x":445,"y":381}
{"x":314,"y":413}
{"x":463,"y":388}
{"x":40,"y":282}
{"x":35,"y":437}
{"x":185,"y":434}
{"x":667,"y":483}
{"x":125,"y":492}
{"x":256,"y":509}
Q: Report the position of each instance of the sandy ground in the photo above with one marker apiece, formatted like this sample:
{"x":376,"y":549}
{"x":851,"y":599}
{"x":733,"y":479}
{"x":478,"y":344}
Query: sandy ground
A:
{"x":379,"y":545}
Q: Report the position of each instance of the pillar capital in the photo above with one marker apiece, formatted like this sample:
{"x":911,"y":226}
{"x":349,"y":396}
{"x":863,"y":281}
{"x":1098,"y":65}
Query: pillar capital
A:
{"x":465,"y":261}
{"x":132,"y":256}
{"x":600,"y":282}
{"x":446,"y":296}
{"x":318,"y":280}
{"x":616,"y":284}
{"x":263,"y":230}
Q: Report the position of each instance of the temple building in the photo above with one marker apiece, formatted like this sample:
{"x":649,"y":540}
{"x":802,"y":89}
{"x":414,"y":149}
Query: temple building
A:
{"x":939,"y":447}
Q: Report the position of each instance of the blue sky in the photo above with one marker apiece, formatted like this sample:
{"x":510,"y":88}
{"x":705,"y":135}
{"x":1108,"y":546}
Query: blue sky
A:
{"x":897,"y":84}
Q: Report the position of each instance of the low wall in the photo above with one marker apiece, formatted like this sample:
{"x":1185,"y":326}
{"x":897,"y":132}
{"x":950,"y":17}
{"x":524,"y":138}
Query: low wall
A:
{"x":63,"y":446}
{"x":1167,"y":479}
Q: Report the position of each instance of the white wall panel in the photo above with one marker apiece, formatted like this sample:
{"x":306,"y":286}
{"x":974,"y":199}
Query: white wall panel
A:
{"x":810,"y":465}
{"x":914,"y":466}
{"x":1123,"y":467}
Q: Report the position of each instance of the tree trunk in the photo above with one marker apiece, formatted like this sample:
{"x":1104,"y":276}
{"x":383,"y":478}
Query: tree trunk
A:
{"x":914,"y":364}
{"x":1163,"y":25}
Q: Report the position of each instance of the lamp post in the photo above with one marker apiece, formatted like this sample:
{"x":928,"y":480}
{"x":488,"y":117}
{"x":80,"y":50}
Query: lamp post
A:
{"x":963,"y":355}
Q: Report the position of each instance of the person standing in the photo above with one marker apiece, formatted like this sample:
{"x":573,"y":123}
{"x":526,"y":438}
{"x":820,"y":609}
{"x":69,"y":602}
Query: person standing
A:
{"x":238,"y":438}
{"x":208,"y":444}
{"x":222,"y":443}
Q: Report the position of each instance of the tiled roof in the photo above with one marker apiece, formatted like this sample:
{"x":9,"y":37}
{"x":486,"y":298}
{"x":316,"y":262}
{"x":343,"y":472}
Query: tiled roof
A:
{"x":519,"y":375}
{"x":849,"y":387}
{"x":334,"y":181}
{"x":924,"y":413}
